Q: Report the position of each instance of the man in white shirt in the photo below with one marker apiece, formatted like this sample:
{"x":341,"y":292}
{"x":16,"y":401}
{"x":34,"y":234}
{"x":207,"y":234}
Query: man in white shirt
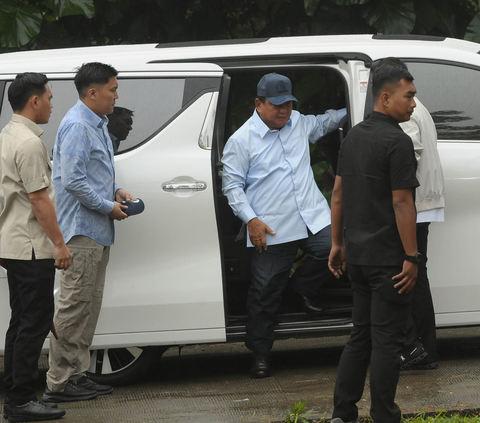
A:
{"x":421,"y":345}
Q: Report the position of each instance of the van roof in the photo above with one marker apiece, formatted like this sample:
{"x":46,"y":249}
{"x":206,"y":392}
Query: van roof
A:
{"x":144,"y":57}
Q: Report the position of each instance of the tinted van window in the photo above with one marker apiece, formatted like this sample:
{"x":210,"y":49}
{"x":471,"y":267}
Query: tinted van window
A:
{"x":448,"y":93}
{"x":143,"y":107}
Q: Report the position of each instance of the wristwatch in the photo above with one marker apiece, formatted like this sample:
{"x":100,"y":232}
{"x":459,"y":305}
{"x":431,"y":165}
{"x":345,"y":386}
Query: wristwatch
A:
{"x":414,"y":259}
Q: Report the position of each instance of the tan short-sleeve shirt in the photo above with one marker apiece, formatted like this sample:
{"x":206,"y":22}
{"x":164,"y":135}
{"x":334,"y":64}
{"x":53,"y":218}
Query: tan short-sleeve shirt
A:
{"x":24,"y":168}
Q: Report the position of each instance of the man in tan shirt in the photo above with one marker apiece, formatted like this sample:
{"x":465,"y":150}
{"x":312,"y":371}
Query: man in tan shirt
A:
{"x":31,"y":244}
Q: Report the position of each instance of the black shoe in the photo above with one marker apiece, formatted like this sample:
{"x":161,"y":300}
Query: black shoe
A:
{"x":261,"y":366}
{"x":6,"y":407}
{"x":86,"y":382}
{"x":72,"y":392}
{"x":412,"y":355}
{"x":311,"y":306}
{"x":34,"y":411}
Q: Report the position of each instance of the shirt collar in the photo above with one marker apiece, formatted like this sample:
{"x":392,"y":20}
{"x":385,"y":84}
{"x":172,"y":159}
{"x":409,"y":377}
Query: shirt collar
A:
{"x":28,"y":123}
{"x":384,"y":117}
{"x":263,"y":129}
{"x":90,"y":116}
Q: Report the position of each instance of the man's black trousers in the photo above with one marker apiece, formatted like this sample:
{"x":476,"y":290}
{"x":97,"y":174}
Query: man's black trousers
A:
{"x":30,"y":284}
{"x":422,"y":322}
{"x":270,"y":275}
{"x":379,"y":317}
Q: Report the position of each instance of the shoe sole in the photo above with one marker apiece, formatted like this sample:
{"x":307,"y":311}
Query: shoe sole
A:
{"x":106,"y":392}
{"x":259,"y":375}
{"x":430,"y":366}
{"x":414,"y":361}
{"x":6,"y":410}
{"x":55,"y":398}
{"x":28,"y":418}
{"x":99,"y":392}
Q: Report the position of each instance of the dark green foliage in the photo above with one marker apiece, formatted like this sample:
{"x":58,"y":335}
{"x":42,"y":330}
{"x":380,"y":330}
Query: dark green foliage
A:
{"x":36,"y":24}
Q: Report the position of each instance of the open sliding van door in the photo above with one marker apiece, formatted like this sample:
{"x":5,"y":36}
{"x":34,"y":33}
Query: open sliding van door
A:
{"x":320,"y":82}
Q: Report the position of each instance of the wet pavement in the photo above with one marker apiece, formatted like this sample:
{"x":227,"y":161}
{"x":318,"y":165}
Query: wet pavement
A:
{"x":210,"y":384}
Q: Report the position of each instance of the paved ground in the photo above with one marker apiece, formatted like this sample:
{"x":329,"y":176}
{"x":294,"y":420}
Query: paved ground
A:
{"x":209,"y":384}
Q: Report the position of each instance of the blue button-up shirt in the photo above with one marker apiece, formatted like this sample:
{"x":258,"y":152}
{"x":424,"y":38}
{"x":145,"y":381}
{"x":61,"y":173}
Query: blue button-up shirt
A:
{"x":84,"y":176}
{"x":267,"y":174}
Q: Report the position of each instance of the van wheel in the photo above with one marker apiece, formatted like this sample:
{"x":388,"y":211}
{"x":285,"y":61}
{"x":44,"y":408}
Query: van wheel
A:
{"x":122,"y":366}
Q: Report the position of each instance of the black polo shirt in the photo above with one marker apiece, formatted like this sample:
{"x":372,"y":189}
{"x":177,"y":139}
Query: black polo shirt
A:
{"x":376,"y":158}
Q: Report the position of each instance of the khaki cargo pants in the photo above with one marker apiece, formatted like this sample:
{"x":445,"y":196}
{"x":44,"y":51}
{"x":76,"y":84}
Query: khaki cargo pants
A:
{"x":77,"y":310}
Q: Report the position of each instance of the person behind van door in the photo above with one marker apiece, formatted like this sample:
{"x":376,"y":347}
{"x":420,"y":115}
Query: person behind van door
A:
{"x":420,"y":351}
{"x":88,"y":203}
{"x":119,"y":125}
{"x":270,"y":187}
{"x":31,"y":244}
{"x":373,"y":208}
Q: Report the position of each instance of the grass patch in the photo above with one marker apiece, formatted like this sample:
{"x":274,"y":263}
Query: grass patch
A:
{"x":471,"y":416}
{"x":298,"y":414}
{"x":444,"y":417}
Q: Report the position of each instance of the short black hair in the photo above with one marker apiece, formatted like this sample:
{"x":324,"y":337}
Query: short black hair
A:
{"x":262,"y":99}
{"x":93,"y":73}
{"x":389,"y":61}
{"x":24,"y":86}
{"x":387,"y":74}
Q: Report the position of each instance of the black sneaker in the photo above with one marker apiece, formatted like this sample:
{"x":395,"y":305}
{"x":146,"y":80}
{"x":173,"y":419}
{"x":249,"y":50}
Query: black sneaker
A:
{"x":412,"y":355}
{"x":72,"y":392}
{"x":34,"y":411}
{"x":6,"y":407}
{"x":86,"y":382}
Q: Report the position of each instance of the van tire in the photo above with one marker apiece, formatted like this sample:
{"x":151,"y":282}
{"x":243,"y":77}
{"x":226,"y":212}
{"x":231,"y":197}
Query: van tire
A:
{"x":124,"y":365}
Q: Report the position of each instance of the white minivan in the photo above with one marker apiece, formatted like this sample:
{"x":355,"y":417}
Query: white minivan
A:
{"x":176,"y":274}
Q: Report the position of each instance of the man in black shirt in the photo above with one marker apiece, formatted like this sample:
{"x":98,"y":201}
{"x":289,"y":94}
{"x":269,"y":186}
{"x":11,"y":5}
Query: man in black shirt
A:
{"x":373,"y":210}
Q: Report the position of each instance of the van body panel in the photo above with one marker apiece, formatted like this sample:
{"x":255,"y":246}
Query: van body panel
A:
{"x":164,"y":272}
{"x":453,"y":257}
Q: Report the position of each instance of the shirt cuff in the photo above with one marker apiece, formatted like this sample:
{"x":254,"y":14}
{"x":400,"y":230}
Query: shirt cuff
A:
{"x":247,"y":214}
{"x":107,"y":207}
{"x":341,"y":114}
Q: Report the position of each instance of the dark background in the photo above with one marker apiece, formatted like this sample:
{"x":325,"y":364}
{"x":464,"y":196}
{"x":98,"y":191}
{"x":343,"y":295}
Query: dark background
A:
{"x":41,"y":24}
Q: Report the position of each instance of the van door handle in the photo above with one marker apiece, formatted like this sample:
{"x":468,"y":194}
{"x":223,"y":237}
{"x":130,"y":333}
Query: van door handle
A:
{"x":194,"y":186}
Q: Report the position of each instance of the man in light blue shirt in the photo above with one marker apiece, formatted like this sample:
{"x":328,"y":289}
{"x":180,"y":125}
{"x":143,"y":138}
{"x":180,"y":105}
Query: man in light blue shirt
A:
{"x":88,"y":202}
{"x":269,"y":184}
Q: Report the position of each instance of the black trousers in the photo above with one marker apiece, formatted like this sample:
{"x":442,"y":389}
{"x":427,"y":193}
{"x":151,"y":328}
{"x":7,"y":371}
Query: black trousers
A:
{"x":30,"y":284}
{"x":380,"y":316}
{"x":270,"y":273}
{"x":421,"y":325}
